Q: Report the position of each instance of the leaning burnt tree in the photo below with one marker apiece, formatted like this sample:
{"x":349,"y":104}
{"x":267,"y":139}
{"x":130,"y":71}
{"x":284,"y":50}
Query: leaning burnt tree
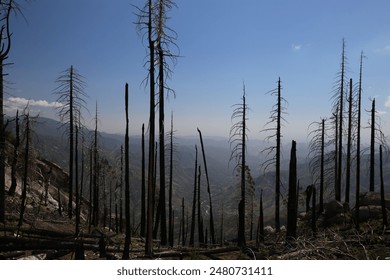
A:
{"x":212,"y":233}
{"x":71,"y":93}
{"x":237,"y":139}
{"x":275,"y":122}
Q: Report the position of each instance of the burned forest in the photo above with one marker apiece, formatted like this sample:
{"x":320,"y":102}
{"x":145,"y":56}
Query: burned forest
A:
{"x":73,"y":190}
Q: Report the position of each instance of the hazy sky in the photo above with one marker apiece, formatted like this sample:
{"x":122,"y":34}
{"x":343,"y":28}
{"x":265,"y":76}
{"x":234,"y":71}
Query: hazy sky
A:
{"x":223,"y":44}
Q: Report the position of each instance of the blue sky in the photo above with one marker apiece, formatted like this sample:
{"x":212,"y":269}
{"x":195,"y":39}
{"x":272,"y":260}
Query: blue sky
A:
{"x":223,"y":44}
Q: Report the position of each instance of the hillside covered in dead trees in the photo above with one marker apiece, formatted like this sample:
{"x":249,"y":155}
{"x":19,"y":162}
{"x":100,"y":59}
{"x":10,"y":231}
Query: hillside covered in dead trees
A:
{"x":71,"y":191}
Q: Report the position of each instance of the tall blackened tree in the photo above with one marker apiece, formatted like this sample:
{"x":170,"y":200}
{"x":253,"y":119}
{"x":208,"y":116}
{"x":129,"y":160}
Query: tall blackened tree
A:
{"x":359,"y":98}
{"x":372,"y":148}
{"x":338,"y":109}
{"x":152,"y":24}
{"x":127,"y":179}
{"x":237,"y":139}
{"x":143,"y":190}
{"x":71,"y":94}
{"x":349,"y":142}
{"x":276,"y":119}
{"x":145,"y":27}
{"x":165,"y":39}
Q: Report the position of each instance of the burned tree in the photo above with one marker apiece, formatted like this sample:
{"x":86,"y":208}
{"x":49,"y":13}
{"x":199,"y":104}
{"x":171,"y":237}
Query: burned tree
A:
{"x":338,"y":110}
{"x":192,"y":232}
{"x":6,"y":8}
{"x":358,"y":128}
{"x":13,"y":186}
{"x":276,"y":120}
{"x":292,"y":196}
{"x":208,"y":188}
{"x":71,"y":94}
{"x":127,"y":180}
{"x":143,"y":190}
{"x":145,"y":27}
{"x":237,"y":139}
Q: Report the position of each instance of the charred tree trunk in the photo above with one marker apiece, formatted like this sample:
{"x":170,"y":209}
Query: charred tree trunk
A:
{"x":336,"y":159}
{"x":77,"y":197}
{"x":260,"y":228}
{"x":372,"y":148}
{"x":143,"y":191}
{"x":208,"y":189}
{"x":170,"y":221}
{"x":340,"y":133}
{"x":292,"y":199}
{"x":357,"y":193}
{"x":121,"y":195}
{"x":192,"y":233}
{"x":349,"y":144}
{"x":313,"y":213}
{"x":183,"y":239}
{"x":278,"y":155}
{"x":82,"y":169}
{"x":322,"y":175}
{"x":90,"y":210}
{"x":12,"y":189}
{"x":383,"y":201}
{"x":151,"y":163}
{"x":71,"y":144}
{"x":200,"y":220}
{"x":126,"y":249}
{"x":161,"y":203}
{"x":241,"y":205}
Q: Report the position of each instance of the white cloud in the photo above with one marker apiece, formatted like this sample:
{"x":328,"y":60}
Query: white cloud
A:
{"x":296,"y":47}
{"x":381,"y":113}
{"x":387,"y":48}
{"x":21,"y":102}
